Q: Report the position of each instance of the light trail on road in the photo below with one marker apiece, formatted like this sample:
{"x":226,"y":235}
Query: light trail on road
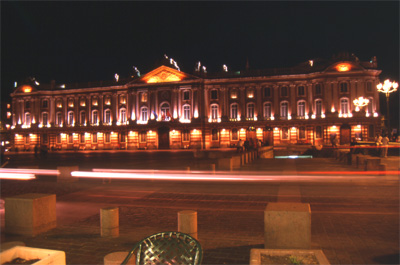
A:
{"x":17,"y":176}
{"x":207,"y":175}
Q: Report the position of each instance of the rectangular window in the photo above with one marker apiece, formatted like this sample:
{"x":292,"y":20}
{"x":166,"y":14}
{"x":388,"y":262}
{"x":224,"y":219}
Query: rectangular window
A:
{"x":185,"y":136}
{"x":214,"y":94}
{"x":107,"y":137}
{"x":267,"y":91}
{"x":284,"y":110}
{"x":369,"y":86}
{"x":27,"y":104}
{"x":122,"y":137}
{"x":143,"y":97}
{"x":144,"y":114}
{"x":45,"y":138}
{"x":94,"y":138}
{"x":234,"y":111}
{"x":70,"y":138}
{"x":45,"y":103}
{"x":186,"y":95}
{"x":301,"y":109}
{"x":302,"y":133}
{"x":318,"y":89}
{"x":343,"y":87}
{"x":214,"y":135}
{"x":285,"y":133}
{"x":214,"y":112}
{"x":143,"y":137}
{"x":284,"y":91}
{"x":235,"y":135}
{"x":371,"y":131}
{"x":267,"y":110}
{"x":82,"y":138}
{"x":59,"y":138}
{"x":318,"y":132}
{"x":300,"y":91}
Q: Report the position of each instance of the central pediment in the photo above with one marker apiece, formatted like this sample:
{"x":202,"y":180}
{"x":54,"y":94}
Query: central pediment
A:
{"x":163,"y":74}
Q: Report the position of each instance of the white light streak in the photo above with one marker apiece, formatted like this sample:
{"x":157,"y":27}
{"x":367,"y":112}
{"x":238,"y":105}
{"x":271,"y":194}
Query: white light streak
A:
{"x":50,"y":172}
{"x":17,"y":176}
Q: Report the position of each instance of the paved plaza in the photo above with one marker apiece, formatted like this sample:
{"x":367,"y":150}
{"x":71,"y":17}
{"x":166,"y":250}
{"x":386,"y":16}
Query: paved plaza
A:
{"x":355,"y":218}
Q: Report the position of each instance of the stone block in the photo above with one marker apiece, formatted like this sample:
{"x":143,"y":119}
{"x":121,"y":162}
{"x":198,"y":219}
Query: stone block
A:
{"x":287,"y":226}
{"x":109,"y":222}
{"x":224,"y":164}
{"x":187,"y":222}
{"x":30,"y":214}
{"x":236,"y":162}
{"x":65,"y":174}
{"x":372,"y":163}
{"x":361,"y":159}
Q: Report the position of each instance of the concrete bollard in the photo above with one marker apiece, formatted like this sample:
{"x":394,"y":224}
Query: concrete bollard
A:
{"x":382,"y":169}
{"x":187,"y":222}
{"x":213,"y":168}
{"x":373,"y":163}
{"x":287,"y":226}
{"x":30,"y":214}
{"x":65,"y":174}
{"x":109,"y":222}
{"x":116,"y":258}
{"x":242,"y":159}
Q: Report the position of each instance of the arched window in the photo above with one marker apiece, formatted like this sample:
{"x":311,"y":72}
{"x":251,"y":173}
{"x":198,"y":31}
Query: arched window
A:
{"x":186,"y":112}
{"x":164,"y":110}
{"x":250,"y":111}
{"x":284,"y":109}
{"x":344,"y":105}
{"x":370,"y":107}
{"x":58,"y":118}
{"x":318,"y":107}
{"x":82,"y":117}
{"x":45,"y":118}
{"x":267,"y":110}
{"x":107,"y":116}
{"x":27,"y":119}
{"x":234,"y":111}
{"x":143,"y":114}
{"x":70,"y":120}
{"x":214,"y":112}
{"x":301,"y":109}
{"x":95,"y":117}
{"x":122,"y":115}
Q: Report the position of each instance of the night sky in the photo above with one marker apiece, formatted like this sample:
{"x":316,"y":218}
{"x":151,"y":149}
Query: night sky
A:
{"x":91,"y":41}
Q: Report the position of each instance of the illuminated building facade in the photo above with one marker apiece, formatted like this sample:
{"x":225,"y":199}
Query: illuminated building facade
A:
{"x":169,"y":109}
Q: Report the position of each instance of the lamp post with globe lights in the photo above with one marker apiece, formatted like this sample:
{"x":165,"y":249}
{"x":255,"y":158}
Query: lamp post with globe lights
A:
{"x":387,"y":87}
{"x":360,"y":102}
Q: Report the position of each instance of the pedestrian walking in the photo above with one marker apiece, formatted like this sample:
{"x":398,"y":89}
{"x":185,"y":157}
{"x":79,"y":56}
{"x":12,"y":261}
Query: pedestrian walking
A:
{"x":385,"y":146}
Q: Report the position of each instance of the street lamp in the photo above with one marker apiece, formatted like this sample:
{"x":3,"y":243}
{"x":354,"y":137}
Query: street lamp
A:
{"x":360,"y":102}
{"x":387,"y":88}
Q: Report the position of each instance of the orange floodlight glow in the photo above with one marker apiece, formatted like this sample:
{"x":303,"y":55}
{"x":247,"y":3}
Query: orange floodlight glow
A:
{"x":344,"y":67}
{"x":27,"y":89}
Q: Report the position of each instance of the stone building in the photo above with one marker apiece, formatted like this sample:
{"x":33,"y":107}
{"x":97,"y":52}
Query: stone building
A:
{"x":309,"y":104}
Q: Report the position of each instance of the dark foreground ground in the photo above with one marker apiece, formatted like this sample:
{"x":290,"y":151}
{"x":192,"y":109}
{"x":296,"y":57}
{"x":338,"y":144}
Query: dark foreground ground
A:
{"x":355,"y":218}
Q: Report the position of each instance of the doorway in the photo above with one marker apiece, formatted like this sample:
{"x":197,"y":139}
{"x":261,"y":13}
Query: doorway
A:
{"x":345,"y":134}
{"x":163,"y":138}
